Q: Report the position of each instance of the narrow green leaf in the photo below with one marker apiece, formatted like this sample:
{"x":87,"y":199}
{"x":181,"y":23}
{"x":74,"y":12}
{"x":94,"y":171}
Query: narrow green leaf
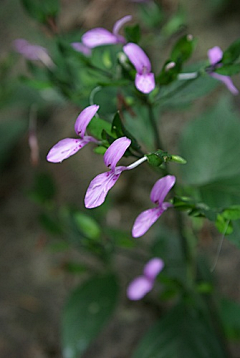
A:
{"x":224,"y":226}
{"x":86,"y":312}
{"x":228,"y":70}
{"x":232,"y":53}
{"x":183,"y":49}
{"x":87,"y":225}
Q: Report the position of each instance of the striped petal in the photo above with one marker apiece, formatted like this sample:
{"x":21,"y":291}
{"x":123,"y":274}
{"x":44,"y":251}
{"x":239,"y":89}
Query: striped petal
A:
{"x":115,"y":152}
{"x":84,"y":118}
{"x":161,"y":189}
{"x":145,"y":220}
{"x":65,"y":148}
{"x":99,"y":187}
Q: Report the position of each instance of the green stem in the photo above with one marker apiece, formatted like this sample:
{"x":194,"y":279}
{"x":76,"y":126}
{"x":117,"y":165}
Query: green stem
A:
{"x":158,"y":143}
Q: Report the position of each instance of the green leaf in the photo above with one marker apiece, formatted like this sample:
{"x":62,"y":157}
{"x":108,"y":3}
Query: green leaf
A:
{"x":223,"y":225}
{"x":169,"y":72}
{"x":181,"y":93}
{"x":230,"y":315}
{"x":41,"y":10}
{"x":232,"y":213}
{"x":183,"y":49}
{"x":212,"y":155}
{"x":228,"y":70}
{"x":133,"y":33}
{"x":97,"y":125}
{"x":232,"y":53}
{"x":119,"y":130}
{"x":182,"y":332}
{"x":151,"y":14}
{"x":87,"y":225}
{"x":86,"y":312}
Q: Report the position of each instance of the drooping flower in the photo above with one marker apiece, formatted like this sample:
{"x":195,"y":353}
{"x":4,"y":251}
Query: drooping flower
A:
{"x":141,"y":285}
{"x":148,"y":217}
{"x":215,"y":56}
{"x":102,"y":183}
{"x":100,"y":36}
{"x":144,"y":80}
{"x":69,"y":146}
{"x":32,"y":52}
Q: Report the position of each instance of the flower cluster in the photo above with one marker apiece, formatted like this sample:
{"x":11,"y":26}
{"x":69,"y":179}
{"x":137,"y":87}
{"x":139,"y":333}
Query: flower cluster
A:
{"x":102,"y":183}
{"x":144,"y":80}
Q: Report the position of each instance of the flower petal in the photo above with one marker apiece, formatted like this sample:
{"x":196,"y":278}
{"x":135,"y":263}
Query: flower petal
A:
{"x":145,"y":83}
{"x":115,"y":152}
{"x":139,"y":287}
{"x":145,"y":220}
{"x":78,"y":46}
{"x":29,"y":51}
{"x":99,"y":187}
{"x":138,"y":58}
{"x":215,"y":55}
{"x":161,"y":189}
{"x":65,"y":148}
{"x":153,"y":267}
{"x":97,"y":37}
{"x":84,"y":118}
{"x":227,"y":81}
{"x":119,"y":24}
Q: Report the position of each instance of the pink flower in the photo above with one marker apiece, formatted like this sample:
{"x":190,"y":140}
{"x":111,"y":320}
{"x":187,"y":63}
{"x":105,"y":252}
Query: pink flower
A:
{"x":141,"y":285}
{"x":100,"y":36}
{"x":215,"y":56}
{"x":144,"y":80}
{"x":69,"y":146}
{"x":102,"y":183}
{"x":32,"y":52}
{"x":148,"y":217}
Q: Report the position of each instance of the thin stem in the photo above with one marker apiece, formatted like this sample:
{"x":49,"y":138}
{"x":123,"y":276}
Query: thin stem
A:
{"x":158,"y":143}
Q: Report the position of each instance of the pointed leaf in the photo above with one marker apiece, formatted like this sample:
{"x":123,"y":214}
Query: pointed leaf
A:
{"x":86,"y":312}
{"x":232,"y":53}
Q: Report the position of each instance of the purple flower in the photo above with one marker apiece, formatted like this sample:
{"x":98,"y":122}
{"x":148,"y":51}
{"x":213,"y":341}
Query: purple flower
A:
{"x":78,"y":46}
{"x":144,"y":80}
{"x":100,"y":36}
{"x":148,"y":217}
{"x":32,"y":52}
{"x":69,"y":146}
{"x":215,"y":56}
{"x":102,"y":183}
{"x":141,"y":285}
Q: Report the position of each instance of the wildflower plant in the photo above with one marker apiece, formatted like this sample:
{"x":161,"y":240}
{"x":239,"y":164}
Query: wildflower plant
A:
{"x":122,"y":92}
